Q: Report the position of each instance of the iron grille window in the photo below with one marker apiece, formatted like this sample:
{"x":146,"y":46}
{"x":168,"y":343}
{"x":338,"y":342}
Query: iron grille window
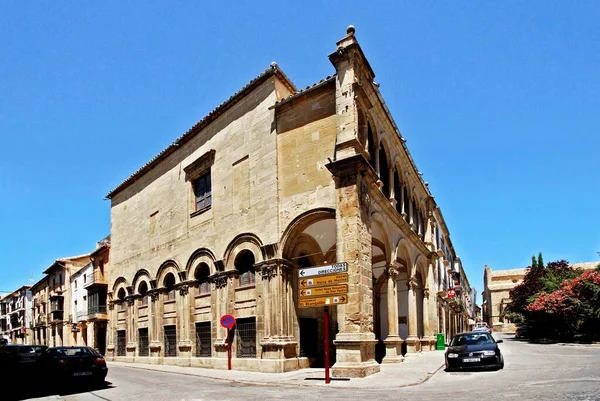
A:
{"x":121,"y":342}
{"x":203,"y":339}
{"x":203,"y":191}
{"x":246,"y":337}
{"x":170,"y":340}
{"x":143,"y":342}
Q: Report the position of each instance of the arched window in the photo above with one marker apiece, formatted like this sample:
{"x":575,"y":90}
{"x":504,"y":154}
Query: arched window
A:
{"x":201,"y":275}
{"x":384,"y":175}
{"x":397,"y":191}
{"x":244,"y":263}
{"x":143,"y":291}
{"x":371,"y":145}
{"x":169,"y":284}
{"x":414,"y":220}
{"x":405,"y":203}
{"x":121,"y":298}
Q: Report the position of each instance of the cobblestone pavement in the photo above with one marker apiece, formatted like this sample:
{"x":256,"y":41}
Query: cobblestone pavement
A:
{"x":532,"y":372}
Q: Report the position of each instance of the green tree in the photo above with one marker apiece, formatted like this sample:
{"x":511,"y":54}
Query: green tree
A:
{"x":533,"y":263}
{"x":540,"y":262}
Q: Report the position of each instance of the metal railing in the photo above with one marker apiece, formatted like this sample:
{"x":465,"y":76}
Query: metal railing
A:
{"x":170,"y":334}
{"x":144,"y":349}
{"x":203,"y":339}
{"x":245,"y":331}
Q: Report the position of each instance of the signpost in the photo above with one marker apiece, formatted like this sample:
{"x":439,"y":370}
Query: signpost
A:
{"x":228,"y":322}
{"x":323,"y":286}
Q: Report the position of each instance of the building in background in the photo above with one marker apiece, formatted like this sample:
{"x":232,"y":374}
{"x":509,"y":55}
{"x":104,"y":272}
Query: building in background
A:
{"x":496,"y":295}
{"x":15,"y":315}
{"x":79,"y":304}
{"x":96,"y":287}
{"x":60,"y":318}
{"x":40,"y":309}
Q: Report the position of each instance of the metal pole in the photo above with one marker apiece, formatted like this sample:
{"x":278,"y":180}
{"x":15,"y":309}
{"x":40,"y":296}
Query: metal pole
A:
{"x":326,"y":323}
{"x":228,"y":350}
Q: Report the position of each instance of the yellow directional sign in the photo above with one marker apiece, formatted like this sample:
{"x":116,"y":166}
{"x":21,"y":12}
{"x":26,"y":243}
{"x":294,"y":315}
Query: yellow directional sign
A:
{"x":322,"y":301}
{"x":327,"y":290}
{"x":323,"y":280}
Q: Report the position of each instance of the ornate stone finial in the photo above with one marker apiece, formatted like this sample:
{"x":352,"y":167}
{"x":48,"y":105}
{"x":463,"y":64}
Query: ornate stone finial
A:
{"x":350,"y":30}
{"x":154,"y":296}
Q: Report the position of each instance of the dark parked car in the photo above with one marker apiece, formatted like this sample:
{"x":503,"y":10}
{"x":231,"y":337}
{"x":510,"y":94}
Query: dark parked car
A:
{"x":16,"y":359}
{"x":521,"y":332}
{"x":74,"y":364}
{"x":475,"y":349}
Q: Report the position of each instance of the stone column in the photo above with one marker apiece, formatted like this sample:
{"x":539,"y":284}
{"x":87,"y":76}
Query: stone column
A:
{"x":278,"y":346}
{"x":355,"y":342}
{"x":393,"y":342}
{"x":110,"y":341}
{"x":183,"y":310}
{"x":153,"y":324}
{"x":412,"y":341}
{"x":129,"y":326}
{"x":426,"y":340}
{"x":221,"y":296}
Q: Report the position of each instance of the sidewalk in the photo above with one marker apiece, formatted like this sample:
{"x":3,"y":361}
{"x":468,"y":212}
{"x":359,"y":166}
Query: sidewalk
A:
{"x":416,"y":369}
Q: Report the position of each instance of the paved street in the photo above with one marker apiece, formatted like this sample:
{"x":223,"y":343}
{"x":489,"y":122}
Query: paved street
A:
{"x":532,"y":372}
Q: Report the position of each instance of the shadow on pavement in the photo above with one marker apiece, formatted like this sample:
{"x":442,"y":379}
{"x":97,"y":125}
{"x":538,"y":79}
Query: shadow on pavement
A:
{"x":25,"y":391}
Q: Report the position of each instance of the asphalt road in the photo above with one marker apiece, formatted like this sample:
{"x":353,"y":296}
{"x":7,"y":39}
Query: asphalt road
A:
{"x":532,"y":372}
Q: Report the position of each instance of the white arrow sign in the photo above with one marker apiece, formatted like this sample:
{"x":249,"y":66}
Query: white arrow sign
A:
{"x":322,"y":270}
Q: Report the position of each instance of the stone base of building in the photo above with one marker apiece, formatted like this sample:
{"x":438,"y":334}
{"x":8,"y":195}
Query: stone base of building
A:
{"x":413,"y":344}
{"x":355,"y":357}
{"x":393,"y":350}
{"x":428,"y":343}
{"x":244,"y":364}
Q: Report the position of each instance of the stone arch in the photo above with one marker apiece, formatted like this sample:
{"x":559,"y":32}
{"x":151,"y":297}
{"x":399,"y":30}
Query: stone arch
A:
{"x":403,"y":252}
{"x":121,"y":282}
{"x":170,"y":266}
{"x":378,"y":221}
{"x":242,"y":242}
{"x":421,"y":267}
{"x":201,"y":255}
{"x":308,"y":247}
{"x":294,"y":230}
{"x":141,"y":275}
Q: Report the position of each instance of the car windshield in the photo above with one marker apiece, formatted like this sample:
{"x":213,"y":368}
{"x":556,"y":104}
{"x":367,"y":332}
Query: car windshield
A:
{"x":472,"y":339}
{"x":71,"y":351}
{"x":30,"y":349}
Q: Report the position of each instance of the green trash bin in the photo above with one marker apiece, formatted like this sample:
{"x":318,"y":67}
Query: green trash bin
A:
{"x":441,"y":342}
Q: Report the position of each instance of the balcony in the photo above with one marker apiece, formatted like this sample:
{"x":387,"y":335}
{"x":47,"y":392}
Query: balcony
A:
{"x":82,"y":316}
{"x":40,"y":321}
{"x":56,"y":316}
{"x":95,"y":278}
{"x":97,"y":312}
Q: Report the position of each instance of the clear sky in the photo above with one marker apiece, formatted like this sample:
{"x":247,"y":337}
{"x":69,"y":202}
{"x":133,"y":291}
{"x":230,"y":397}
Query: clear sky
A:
{"x":499,"y":102}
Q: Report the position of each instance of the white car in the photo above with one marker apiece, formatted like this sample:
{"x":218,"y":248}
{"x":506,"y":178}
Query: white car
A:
{"x":482,"y":326}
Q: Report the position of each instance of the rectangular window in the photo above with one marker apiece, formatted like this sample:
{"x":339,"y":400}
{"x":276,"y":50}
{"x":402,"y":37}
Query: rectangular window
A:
{"x":170,"y":333}
{"x":245,"y":331}
{"x":144,"y":349}
{"x":203,"y":339}
{"x":203,"y":191}
{"x":121,"y":342}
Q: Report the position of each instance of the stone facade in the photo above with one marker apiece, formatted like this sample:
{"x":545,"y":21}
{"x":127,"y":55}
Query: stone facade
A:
{"x":273,"y":180}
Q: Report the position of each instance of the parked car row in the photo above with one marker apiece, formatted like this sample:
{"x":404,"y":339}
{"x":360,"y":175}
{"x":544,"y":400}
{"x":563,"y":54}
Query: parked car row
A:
{"x":58,"y":365}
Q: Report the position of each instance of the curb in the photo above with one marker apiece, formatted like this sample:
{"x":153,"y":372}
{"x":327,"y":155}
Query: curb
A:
{"x":284,"y":384}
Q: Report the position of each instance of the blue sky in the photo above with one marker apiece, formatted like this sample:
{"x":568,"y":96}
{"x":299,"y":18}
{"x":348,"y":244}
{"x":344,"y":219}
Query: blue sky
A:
{"x":499,"y":102}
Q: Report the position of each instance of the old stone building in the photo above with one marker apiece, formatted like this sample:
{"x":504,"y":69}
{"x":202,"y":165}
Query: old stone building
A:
{"x":15,"y":315}
{"x":273,"y":180}
{"x":496,"y":295}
